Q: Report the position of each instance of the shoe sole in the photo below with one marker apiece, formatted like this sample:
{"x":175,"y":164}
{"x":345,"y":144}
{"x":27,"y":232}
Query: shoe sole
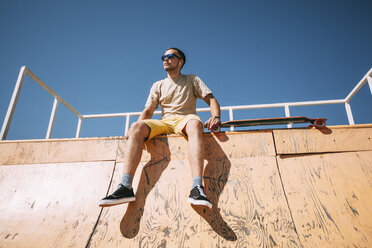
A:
{"x":109,"y":203}
{"x":200,"y":202}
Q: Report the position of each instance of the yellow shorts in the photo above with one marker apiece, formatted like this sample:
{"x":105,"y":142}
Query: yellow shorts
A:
{"x":170,"y":124}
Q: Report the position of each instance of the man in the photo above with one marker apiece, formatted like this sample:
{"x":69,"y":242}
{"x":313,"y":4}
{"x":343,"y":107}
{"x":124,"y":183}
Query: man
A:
{"x":177,"y":95}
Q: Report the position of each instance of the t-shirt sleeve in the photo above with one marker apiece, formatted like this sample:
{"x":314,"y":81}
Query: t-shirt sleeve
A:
{"x":200,"y":88}
{"x":153,"y":98}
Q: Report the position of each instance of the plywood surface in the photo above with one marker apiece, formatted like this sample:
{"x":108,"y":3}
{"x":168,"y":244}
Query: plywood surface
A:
{"x":330,"y":197}
{"x":36,"y":152}
{"x":249,"y":206}
{"x":313,"y":200}
{"x":250,"y":209}
{"x":51,"y":205}
{"x":298,"y":141}
{"x":233,"y":146}
{"x":160,"y":216}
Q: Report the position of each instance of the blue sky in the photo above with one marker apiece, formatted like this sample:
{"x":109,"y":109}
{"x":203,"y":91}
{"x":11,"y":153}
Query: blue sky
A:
{"x":103,"y":57}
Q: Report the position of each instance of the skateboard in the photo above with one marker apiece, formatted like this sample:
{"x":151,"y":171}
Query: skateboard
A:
{"x":318,"y":123}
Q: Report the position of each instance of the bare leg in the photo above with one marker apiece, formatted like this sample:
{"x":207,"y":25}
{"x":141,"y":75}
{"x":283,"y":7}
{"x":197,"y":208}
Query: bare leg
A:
{"x":138,"y":134}
{"x":194,"y":131}
{"x":124,"y":194}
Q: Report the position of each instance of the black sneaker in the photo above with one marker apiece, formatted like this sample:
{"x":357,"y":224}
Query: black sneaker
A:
{"x":121,"y":195}
{"x":197,"y":197}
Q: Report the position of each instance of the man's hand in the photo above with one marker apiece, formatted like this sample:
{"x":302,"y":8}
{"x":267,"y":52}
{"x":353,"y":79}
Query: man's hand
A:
{"x":213,"y":123}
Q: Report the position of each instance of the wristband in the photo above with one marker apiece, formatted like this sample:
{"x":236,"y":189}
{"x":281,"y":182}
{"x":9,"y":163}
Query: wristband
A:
{"x":217,"y":117}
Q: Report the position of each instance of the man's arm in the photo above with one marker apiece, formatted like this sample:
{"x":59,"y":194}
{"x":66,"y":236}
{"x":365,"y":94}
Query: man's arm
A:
{"x":215,"y":111}
{"x":147,"y":113}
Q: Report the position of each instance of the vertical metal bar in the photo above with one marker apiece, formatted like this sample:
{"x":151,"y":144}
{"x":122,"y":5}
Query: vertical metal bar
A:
{"x":231,"y":117}
{"x":127,"y":124}
{"x":13,"y":103}
{"x":349,"y":113}
{"x":369,"y":79}
{"x":287,"y":114}
{"x":52,"y":118}
{"x":78,"y":128}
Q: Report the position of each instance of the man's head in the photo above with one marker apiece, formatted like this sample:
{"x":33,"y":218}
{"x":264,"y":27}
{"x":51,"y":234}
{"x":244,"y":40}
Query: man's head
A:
{"x":173,"y":59}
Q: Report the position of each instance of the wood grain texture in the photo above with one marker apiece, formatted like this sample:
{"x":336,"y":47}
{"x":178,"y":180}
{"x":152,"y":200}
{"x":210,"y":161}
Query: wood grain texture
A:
{"x":160,"y":216}
{"x":236,"y":145}
{"x":59,"y":151}
{"x":330,"y":197}
{"x":51,"y":205}
{"x":321,"y":200}
{"x":299,"y":141}
{"x":249,"y":206}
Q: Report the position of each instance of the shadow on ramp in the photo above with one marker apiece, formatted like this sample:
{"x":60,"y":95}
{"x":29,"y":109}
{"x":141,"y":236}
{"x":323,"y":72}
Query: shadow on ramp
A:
{"x":216,"y":175}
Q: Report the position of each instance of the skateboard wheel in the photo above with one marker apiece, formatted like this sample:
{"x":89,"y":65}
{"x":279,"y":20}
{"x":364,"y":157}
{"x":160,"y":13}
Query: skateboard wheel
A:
{"x":319,"y":123}
{"x":216,"y":129}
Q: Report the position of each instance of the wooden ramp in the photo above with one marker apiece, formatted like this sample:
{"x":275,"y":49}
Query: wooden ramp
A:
{"x":272,"y":188}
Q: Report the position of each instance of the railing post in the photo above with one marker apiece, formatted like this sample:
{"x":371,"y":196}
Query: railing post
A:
{"x":369,"y":79}
{"x":79,"y":127}
{"x":287,"y":114}
{"x":13,"y":103}
{"x":127,"y":119}
{"x":349,"y":113}
{"x":52,"y":118}
{"x":231,"y":117}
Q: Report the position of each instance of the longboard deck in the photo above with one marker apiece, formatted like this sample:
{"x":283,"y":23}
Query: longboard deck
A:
{"x":317,"y":122}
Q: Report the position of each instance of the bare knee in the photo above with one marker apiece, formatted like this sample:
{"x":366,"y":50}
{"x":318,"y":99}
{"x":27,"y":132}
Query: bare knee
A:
{"x":194,"y":127}
{"x":139,"y":129}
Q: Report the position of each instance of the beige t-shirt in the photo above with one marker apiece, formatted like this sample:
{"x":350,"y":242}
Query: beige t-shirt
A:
{"x":179,"y":96}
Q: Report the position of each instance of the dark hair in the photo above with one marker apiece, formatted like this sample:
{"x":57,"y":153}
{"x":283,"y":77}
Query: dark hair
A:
{"x":183,"y":57}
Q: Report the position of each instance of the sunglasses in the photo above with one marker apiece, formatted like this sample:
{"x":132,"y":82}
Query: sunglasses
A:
{"x":169,"y":56}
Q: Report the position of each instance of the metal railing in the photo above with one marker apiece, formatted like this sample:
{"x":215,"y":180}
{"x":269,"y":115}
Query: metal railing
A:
{"x":58,"y":99}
